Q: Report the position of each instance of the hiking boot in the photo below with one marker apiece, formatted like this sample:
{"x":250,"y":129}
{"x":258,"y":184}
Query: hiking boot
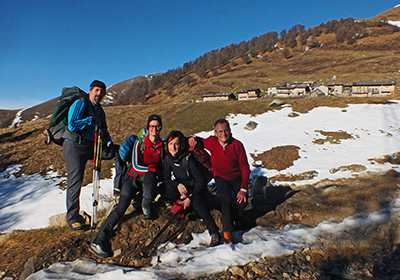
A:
{"x":243,"y":223}
{"x":228,"y":236}
{"x":100,"y":251}
{"x":116,"y":192}
{"x":215,"y":239}
{"x":79,"y":226}
{"x":146,"y":213}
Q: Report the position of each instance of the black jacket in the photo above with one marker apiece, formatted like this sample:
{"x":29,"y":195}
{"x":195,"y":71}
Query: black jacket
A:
{"x":184,"y":169}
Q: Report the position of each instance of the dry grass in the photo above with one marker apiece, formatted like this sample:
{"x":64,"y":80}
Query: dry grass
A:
{"x":24,"y":145}
{"x":278,"y":158}
{"x":332,"y":137}
{"x":335,"y":199}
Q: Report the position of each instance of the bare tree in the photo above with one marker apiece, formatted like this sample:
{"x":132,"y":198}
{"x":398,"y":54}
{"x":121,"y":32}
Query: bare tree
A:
{"x":287,"y":54}
{"x":200,"y":70}
{"x":243,"y":48}
{"x":188,"y":80}
{"x":169,"y":89}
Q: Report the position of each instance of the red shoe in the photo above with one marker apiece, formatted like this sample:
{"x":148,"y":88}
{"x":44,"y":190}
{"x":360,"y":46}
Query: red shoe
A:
{"x":228,"y":236}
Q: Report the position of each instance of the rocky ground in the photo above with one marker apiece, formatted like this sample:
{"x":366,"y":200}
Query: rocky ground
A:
{"x":368,"y":252}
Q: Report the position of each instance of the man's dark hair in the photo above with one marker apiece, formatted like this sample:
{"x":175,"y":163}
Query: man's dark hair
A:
{"x":221,"y":121}
{"x":183,"y":143}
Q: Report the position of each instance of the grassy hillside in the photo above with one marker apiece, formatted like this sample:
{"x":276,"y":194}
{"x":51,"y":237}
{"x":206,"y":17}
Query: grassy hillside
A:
{"x":24,"y":145}
{"x":374,"y":56}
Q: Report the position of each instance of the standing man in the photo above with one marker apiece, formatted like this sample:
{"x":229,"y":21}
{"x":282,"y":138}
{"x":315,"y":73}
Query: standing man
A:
{"x":231,"y":173}
{"x":83,"y":116}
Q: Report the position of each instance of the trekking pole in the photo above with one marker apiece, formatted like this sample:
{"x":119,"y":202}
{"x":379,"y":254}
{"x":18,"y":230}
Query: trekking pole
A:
{"x":178,"y":211}
{"x":96,"y":173}
{"x":151,"y":244}
{"x":178,"y":230}
{"x":175,"y":233}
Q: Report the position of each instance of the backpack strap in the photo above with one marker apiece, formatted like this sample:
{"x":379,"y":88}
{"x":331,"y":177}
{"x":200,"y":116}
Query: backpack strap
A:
{"x":142,"y":134}
{"x":185,"y":163}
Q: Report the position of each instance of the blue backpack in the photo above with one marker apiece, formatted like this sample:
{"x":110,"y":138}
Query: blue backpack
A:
{"x":125,"y":150}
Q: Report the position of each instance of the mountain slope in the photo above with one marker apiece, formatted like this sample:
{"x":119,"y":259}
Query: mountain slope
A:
{"x":374,"y":57}
{"x":391,"y":14}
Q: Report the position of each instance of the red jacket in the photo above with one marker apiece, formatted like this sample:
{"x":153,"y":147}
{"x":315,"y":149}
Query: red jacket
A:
{"x":149,"y":160}
{"x":229,"y":162}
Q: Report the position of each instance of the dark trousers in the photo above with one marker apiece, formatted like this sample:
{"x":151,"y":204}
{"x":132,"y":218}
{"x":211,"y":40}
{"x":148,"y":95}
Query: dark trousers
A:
{"x":200,"y":205}
{"x":231,"y":210}
{"x":149,"y":187}
{"x":76,"y":156}
{"x":130,"y":188}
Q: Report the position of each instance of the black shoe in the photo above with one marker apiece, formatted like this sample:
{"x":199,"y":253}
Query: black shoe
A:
{"x":215,"y":239}
{"x":79,"y":226}
{"x":100,"y":251}
{"x":243,"y":223}
{"x":146,"y":213}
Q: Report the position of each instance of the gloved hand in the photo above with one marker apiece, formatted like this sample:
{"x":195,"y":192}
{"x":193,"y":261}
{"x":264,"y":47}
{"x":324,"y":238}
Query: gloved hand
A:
{"x":96,"y":120}
{"x":178,"y":205}
{"x":109,"y":151}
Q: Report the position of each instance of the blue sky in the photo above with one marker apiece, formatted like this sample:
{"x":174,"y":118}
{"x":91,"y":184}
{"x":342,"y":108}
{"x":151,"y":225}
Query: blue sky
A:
{"x":47,"y":45}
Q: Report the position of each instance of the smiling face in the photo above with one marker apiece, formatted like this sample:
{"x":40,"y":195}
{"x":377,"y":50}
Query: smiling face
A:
{"x":174,"y":146}
{"x":222,"y":132}
{"x":154,"y":128}
{"x":96,"y":94}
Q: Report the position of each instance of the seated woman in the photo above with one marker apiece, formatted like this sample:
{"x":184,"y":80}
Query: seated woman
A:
{"x":144,"y":175}
{"x":183,"y":175}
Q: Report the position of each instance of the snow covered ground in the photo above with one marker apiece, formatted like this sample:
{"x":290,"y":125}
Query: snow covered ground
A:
{"x":29,"y":201}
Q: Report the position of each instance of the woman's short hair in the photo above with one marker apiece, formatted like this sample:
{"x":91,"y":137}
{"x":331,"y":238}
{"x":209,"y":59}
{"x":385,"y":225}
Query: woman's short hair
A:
{"x":183,"y":143}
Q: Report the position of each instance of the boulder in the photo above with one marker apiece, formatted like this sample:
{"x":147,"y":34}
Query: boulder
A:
{"x":276,"y":102}
{"x":251,"y":125}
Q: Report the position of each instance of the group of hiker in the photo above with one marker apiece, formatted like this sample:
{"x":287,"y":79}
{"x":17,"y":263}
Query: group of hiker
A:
{"x":143,"y":164}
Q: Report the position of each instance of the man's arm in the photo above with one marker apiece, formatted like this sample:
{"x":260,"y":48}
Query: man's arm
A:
{"x":76,"y":122}
{"x":192,"y":141}
{"x":245,"y":170}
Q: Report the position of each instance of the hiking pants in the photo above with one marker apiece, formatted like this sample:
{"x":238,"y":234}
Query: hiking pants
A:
{"x":149,"y":186}
{"x":231,"y":210}
{"x":128,"y":192}
{"x":200,"y":205}
{"x":75,"y":156}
